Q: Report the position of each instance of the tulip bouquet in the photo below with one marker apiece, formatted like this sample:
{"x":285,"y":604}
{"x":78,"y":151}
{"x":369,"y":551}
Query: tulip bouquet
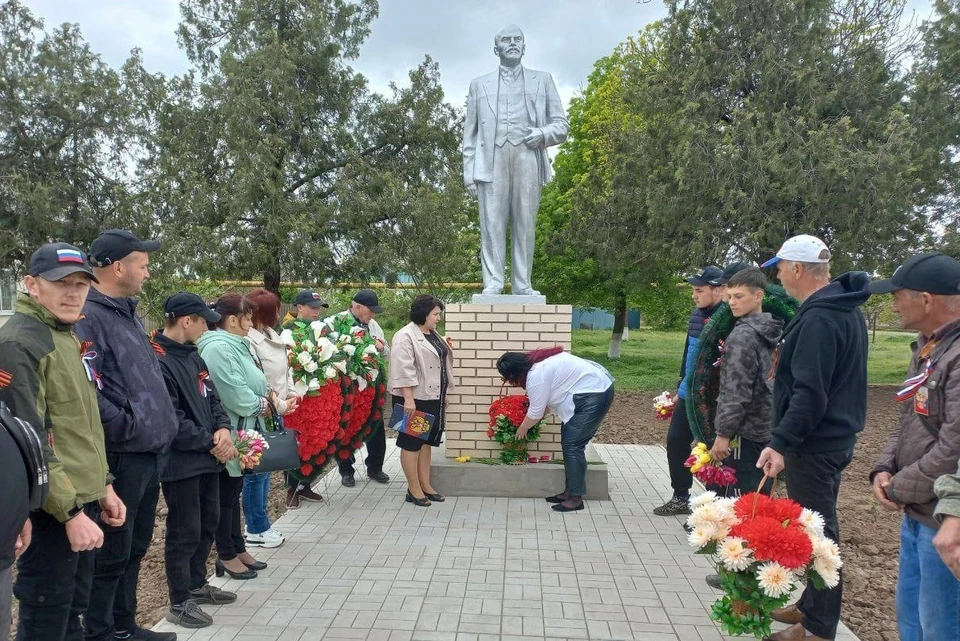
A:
{"x":663,"y":406}
{"x":708,"y":471}
{"x":250,"y":445}
{"x":763,"y":549}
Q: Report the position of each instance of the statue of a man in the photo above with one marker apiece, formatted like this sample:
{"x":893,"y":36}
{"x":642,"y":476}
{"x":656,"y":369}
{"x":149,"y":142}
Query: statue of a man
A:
{"x":513,"y":115}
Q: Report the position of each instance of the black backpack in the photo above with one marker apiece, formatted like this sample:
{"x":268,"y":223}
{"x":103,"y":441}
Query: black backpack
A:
{"x":31,"y":449}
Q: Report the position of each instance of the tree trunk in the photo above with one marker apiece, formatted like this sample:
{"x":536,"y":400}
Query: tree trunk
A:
{"x":620,"y":316}
{"x":271,"y":278}
{"x":626,"y":324}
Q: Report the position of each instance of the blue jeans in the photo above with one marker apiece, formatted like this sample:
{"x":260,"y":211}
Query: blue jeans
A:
{"x":928,"y":595}
{"x":256,"y":487}
{"x":589,"y":410}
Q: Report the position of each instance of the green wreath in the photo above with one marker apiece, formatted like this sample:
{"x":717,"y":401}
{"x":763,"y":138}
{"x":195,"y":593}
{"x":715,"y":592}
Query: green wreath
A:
{"x":704,"y":385}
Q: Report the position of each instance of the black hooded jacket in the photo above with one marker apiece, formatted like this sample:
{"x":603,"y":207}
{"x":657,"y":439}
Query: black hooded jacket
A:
{"x":820,"y":390}
{"x":199,"y":416}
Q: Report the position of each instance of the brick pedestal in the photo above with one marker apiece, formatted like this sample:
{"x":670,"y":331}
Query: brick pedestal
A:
{"x":481,"y":333}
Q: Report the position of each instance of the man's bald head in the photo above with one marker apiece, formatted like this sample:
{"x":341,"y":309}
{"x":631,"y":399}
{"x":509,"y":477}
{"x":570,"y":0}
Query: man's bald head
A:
{"x":509,"y":45}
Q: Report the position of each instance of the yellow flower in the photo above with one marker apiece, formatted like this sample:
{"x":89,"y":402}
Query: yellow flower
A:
{"x":704,"y":458}
{"x":701,"y":447}
{"x":696,"y":468}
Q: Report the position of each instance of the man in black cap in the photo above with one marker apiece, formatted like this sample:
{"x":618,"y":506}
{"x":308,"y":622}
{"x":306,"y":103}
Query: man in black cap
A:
{"x":139,"y":423}
{"x":364,"y":309}
{"x":927,"y":443}
{"x":728,"y":272}
{"x":308,"y":305}
{"x":46,"y":381}
{"x":190,"y":476}
{"x":707,"y":297}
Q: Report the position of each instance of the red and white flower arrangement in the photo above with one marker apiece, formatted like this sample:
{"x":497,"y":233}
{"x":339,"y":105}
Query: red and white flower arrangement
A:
{"x":506,"y":415}
{"x":764,"y":548}
{"x":663,"y":406}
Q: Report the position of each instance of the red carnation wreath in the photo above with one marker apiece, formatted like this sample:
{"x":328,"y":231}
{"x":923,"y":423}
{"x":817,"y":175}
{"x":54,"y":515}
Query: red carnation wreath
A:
{"x":317,"y":421}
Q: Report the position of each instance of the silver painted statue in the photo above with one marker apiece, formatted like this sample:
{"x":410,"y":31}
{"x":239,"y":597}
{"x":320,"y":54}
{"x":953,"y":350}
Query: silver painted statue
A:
{"x":513,"y":115}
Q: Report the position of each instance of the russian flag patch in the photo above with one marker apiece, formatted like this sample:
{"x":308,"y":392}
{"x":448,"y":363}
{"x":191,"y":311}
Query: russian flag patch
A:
{"x":70,"y":256}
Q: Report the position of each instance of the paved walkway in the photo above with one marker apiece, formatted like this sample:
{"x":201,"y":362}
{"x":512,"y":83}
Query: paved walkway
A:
{"x":364,"y":565}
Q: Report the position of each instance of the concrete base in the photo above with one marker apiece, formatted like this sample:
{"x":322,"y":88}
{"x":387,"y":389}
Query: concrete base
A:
{"x":507,"y":299}
{"x":532,"y":480}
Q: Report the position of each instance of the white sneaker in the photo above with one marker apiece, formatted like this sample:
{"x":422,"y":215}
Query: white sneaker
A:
{"x":269,"y":539}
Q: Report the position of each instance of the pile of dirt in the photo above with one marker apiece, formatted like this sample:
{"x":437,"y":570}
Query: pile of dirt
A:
{"x":870,"y":535}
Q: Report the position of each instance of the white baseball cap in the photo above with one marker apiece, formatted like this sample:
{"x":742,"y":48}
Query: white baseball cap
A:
{"x":802,"y":249}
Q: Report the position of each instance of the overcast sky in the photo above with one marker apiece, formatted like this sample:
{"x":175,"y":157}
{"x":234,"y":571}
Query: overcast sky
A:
{"x":563,"y":37}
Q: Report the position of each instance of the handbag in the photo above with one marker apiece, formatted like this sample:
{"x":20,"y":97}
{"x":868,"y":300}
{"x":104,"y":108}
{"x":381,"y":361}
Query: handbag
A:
{"x":282,"y":451}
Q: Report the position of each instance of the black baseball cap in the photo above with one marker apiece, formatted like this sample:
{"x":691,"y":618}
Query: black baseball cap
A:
{"x":729,"y":271}
{"x":934,"y":273}
{"x":56,"y":261}
{"x":368,"y":297}
{"x":309,"y":298}
{"x":116,"y":244}
{"x":709,"y":273}
{"x":186,"y":303}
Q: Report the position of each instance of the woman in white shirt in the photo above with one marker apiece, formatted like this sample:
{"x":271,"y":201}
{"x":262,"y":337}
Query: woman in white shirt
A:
{"x":579,"y":392}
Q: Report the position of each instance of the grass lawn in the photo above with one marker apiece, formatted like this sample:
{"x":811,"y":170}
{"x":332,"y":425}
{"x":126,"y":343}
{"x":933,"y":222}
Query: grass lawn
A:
{"x":650,"y":359}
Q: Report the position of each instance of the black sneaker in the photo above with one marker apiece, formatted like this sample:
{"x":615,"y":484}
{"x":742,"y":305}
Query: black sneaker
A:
{"x":212,"y":595}
{"x":348,"y":481}
{"x":676,"y":505}
{"x":379,"y":477}
{"x":188,"y":615}
{"x":140,"y":634}
{"x":713,"y":580}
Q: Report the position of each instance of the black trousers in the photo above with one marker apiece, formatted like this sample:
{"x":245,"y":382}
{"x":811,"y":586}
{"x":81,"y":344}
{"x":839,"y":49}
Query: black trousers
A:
{"x":53,"y":582}
{"x":113,"y":597}
{"x":229,"y":536}
{"x":679,"y":439}
{"x":813,"y":481}
{"x":193,"y":513}
{"x":376,"y":451}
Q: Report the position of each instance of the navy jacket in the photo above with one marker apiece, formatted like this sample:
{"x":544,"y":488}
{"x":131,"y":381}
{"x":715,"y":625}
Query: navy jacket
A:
{"x":820,"y":390}
{"x":135,"y":409}
{"x":698,"y":319}
{"x":199,"y":413}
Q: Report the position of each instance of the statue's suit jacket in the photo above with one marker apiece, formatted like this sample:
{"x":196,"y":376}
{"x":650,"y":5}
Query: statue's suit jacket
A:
{"x":480,"y":127}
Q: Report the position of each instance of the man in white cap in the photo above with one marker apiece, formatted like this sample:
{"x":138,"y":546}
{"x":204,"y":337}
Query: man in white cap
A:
{"x":819,"y":404}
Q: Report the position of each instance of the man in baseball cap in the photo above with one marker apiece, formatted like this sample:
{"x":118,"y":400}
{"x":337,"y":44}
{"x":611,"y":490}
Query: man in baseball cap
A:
{"x":709,"y":273}
{"x":924,"y":447}
{"x":368,"y":298}
{"x":729,"y":271}
{"x":116,"y":244}
{"x":56,"y":261}
{"x":188,"y":304}
{"x":308,"y":305}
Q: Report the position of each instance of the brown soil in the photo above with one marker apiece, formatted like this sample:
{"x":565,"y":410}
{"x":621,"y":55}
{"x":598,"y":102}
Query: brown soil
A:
{"x":870,"y":535}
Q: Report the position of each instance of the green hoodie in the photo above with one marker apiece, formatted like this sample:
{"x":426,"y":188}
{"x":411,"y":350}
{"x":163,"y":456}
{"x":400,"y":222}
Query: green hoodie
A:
{"x":45,"y":384}
{"x":241,"y":385}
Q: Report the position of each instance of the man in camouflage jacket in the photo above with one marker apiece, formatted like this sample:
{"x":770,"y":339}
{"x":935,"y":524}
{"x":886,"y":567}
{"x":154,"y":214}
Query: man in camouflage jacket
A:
{"x":926,"y":444}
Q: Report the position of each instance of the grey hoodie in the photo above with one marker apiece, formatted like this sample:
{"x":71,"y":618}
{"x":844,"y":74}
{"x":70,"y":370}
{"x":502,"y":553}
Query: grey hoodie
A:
{"x":745,"y":402}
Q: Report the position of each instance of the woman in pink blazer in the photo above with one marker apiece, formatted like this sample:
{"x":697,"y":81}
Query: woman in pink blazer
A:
{"x":421,"y":376}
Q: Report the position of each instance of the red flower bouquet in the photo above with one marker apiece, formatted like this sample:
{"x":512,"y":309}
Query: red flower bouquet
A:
{"x":506,"y":415}
{"x":316,"y":421}
{"x":764,"y":548}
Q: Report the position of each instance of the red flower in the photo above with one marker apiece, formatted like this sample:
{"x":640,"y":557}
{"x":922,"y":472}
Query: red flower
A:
{"x":306,"y":469}
{"x":344,"y":454}
{"x":772,"y":540}
{"x":490,"y":433}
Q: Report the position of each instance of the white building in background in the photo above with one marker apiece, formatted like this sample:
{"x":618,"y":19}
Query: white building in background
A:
{"x":8,"y":295}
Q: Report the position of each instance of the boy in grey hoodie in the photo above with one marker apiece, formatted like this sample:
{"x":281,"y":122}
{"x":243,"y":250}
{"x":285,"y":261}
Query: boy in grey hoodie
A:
{"x":745,"y":401}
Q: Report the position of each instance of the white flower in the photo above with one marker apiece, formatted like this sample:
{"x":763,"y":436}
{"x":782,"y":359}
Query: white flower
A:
{"x":725,"y":511}
{"x":325,"y":349}
{"x":702,"y":536}
{"x":306,"y":346}
{"x":373,"y":374}
{"x":349,"y":350}
{"x":702,"y":499}
{"x":310,"y":367}
{"x":733,"y":555}
{"x":826,"y":559}
{"x":300,"y":388}
{"x":812,"y":522}
{"x":329,"y":372}
{"x":313,"y":385}
{"x":774,"y":579}
{"x":361,"y":384}
{"x":304,"y":358}
{"x":342,"y":366}
{"x":705,"y":515}
{"x":286,"y":337}
{"x":370,"y":349}
{"x":827,"y":572}
{"x":356,"y":329}
{"x":317,"y":327}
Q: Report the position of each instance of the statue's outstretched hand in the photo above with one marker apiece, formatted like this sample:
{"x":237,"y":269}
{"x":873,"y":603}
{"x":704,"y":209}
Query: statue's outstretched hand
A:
{"x":472,"y":190}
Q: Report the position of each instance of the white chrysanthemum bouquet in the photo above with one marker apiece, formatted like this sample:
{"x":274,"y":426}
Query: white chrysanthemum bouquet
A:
{"x":764,"y":548}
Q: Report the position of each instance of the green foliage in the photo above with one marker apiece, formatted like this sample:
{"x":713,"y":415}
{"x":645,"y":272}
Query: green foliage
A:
{"x":744,"y":608}
{"x":664,"y":304}
{"x":157,"y":289}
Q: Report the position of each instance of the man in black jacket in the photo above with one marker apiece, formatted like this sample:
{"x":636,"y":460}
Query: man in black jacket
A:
{"x":139,"y":425}
{"x":820,"y":404}
{"x":190,"y":474}
{"x":707,"y":296}
{"x":14,"y":514}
